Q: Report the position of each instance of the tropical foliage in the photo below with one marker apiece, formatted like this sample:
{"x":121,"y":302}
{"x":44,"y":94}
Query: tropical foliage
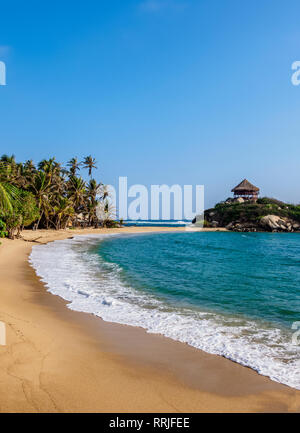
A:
{"x":3,"y":231}
{"x":50,"y":196}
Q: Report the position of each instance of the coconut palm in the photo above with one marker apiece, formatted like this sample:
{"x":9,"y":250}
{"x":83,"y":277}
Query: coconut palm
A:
{"x":106,"y":212}
{"x":49,"y":195}
{"x":8,"y":192}
{"x":29,"y":166}
{"x":46,"y":165}
{"x":103,"y":191}
{"x":63,"y":212}
{"x":74,"y":165}
{"x":8,"y":159}
{"x":89,"y":163}
{"x":5,"y":198}
{"x":76,"y":191}
{"x":41,"y":188}
{"x":92,"y":191}
{"x":8,"y":167}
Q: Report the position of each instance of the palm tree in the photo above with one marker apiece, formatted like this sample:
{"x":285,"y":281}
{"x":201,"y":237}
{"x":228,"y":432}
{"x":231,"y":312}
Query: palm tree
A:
{"x":60,"y":195}
{"x":5,"y":198}
{"x":106,"y":212}
{"x":29,"y":165}
{"x":8,"y":159}
{"x":74,"y":165}
{"x":89,"y":163}
{"x":8,"y":167}
{"x":8,"y":192}
{"x":92,"y":191}
{"x":41,"y":187}
{"x":46,"y":165}
{"x":77,"y":191}
{"x":63,"y":212}
{"x":103,"y":191}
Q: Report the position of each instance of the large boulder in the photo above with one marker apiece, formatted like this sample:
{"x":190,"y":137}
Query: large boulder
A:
{"x":274,"y":222}
{"x":238,"y":226}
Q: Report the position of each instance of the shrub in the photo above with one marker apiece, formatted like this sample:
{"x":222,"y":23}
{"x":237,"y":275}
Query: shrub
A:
{"x":267,"y":200}
{"x":24,"y":213}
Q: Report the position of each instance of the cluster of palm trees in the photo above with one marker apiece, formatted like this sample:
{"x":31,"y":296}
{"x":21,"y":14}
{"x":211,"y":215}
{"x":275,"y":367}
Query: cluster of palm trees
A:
{"x":59,"y":196}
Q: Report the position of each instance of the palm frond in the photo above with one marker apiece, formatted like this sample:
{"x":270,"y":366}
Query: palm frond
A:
{"x":8,"y":195}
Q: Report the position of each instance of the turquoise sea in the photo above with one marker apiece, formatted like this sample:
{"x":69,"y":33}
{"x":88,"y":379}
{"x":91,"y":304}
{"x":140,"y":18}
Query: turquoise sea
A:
{"x":232,"y":294}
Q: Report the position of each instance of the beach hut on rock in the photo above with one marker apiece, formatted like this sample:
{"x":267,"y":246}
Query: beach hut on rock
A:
{"x":246,"y":190}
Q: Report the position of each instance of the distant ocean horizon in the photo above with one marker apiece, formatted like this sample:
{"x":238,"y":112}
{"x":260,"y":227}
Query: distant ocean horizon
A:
{"x":154,"y":223}
{"x":232,"y":294}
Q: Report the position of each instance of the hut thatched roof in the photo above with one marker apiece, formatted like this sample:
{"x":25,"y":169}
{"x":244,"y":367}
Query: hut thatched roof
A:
{"x":245,"y":185}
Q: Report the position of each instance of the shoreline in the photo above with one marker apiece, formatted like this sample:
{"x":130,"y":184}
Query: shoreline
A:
{"x":59,"y":360}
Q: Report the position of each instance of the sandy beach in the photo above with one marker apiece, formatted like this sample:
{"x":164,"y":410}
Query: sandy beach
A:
{"x":58,"y":360}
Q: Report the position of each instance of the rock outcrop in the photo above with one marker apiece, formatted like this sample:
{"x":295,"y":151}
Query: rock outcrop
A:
{"x":277,"y":223}
{"x":242,"y":215}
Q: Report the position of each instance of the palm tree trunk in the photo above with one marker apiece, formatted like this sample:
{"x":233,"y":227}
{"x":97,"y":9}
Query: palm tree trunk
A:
{"x":39,"y":220}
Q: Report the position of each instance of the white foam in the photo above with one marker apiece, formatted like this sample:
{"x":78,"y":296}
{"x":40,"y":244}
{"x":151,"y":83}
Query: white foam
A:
{"x":157,"y":222}
{"x":70,"y":271}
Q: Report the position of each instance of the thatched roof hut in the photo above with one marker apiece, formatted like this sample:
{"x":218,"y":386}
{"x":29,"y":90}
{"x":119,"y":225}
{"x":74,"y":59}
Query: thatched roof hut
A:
{"x":246,"y":190}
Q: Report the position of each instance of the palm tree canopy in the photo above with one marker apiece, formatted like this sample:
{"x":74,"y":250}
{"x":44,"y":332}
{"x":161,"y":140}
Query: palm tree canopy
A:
{"x":74,"y":165}
{"x":57,"y":193}
{"x":5,"y":199}
{"x":8,"y":192}
{"x":89,"y":162}
{"x":9,"y":159}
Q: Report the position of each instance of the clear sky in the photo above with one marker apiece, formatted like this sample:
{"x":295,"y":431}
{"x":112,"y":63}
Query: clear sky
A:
{"x":161,"y":91}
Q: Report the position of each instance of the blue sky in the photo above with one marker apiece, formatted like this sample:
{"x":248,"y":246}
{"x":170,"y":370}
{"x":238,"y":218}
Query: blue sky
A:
{"x":161,"y":91}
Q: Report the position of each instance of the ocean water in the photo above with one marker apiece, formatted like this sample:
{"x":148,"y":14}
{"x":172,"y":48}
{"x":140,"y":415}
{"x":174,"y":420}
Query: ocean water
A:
{"x":232,"y":294}
{"x":159,"y":223}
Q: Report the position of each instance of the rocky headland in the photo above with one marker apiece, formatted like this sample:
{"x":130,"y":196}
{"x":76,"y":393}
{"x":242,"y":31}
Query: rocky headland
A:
{"x":265,"y":214}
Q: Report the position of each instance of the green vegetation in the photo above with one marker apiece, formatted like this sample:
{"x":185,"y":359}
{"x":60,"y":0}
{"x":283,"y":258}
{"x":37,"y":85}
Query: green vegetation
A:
{"x":24,"y":212}
{"x":50,"y":196}
{"x":249,"y":212}
{"x":3,"y":232}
